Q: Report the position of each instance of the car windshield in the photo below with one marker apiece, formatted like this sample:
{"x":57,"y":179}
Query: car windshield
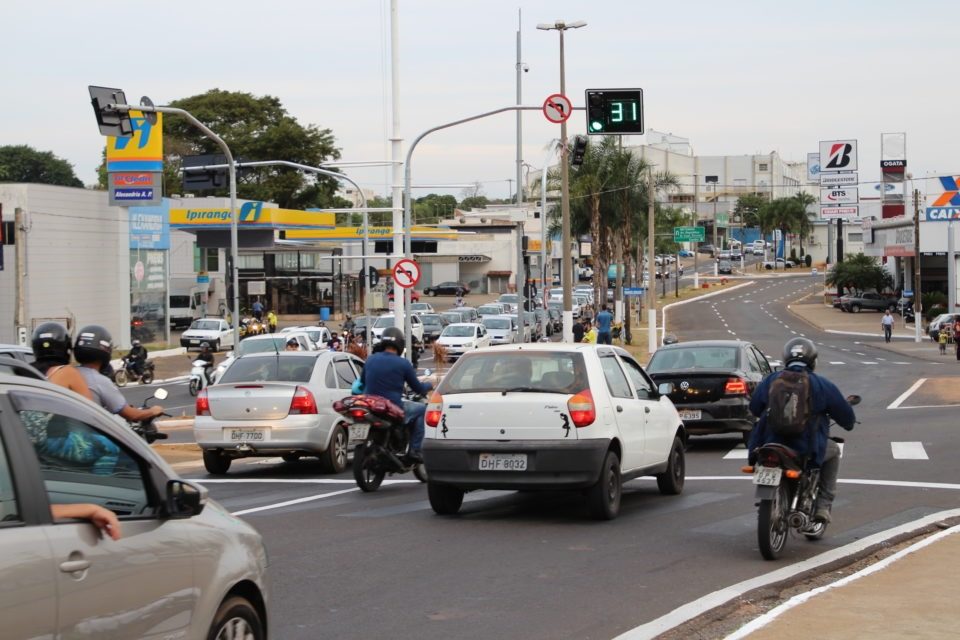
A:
{"x":496,"y":323}
{"x":430,"y":320}
{"x":451,"y":317}
{"x":529,"y":371}
{"x":262,"y":345}
{"x":509,"y":297}
{"x":696,"y":357}
{"x":488,"y":310}
{"x":205,"y":325}
{"x":270,"y":369}
{"x":458,"y":331}
{"x":419,"y":306}
{"x":553,"y":304}
{"x":383,"y":322}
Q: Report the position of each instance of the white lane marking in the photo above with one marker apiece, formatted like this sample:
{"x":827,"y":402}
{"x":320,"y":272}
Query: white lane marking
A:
{"x":838,"y":363}
{"x":860,"y":354}
{"x":289,"y":481}
{"x":869,"y":363}
{"x":731,"y":332}
{"x":738,"y":453}
{"x":900,"y":362}
{"x":927,"y":406}
{"x":710,"y":601}
{"x":908,"y":451}
{"x":287,"y":503}
{"x":768,"y":617}
{"x":906,"y":394}
{"x":840,"y":445}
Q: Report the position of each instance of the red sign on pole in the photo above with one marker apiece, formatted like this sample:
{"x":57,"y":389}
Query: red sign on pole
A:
{"x":406,"y":273}
{"x":557,"y":108}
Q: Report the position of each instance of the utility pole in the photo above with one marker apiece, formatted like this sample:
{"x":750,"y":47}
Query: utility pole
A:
{"x":396,"y":157}
{"x":839,"y":252}
{"x":652,"y":289}
{"x":20,"y":245}
{"x":567,"y":268}
{"x":519,"y":116}
{"x":917,"y":307}
{"x":696,"y":223}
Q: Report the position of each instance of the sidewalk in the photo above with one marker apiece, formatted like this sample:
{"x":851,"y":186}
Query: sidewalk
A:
{"x":911,"y":594}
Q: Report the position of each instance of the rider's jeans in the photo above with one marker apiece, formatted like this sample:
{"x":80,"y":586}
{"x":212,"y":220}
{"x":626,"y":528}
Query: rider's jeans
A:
{"x":829,"y":471}
{"x":413,"y":413}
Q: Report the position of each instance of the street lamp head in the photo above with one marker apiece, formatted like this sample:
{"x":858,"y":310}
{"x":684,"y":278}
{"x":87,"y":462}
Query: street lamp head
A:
{"x":577,"y":24}
{"x":546,"y":26}
{"x":560,"y":25}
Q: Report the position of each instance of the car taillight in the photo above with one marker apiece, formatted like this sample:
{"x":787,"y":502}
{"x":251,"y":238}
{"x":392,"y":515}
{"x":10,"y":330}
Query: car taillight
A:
{"x":434,"y":410}
{"x":203,"y":403}
{"x":581,"y":408}
{"x":303,"y":402}
{"x":735,"y":387}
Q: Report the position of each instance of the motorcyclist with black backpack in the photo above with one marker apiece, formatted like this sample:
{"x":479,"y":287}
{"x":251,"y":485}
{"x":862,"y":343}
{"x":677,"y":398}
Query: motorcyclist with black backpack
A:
{"x":795,"y":407}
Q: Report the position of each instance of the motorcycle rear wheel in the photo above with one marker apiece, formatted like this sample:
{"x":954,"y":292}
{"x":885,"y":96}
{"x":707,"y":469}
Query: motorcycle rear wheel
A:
{"x":772,"y":528}
{"x":366,"y":477}
{"x":194,"y":387}
{"x":147,"y":377}
{"x":120,"y":378}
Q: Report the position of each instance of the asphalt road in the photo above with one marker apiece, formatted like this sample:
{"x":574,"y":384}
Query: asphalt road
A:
{"x":512,"y":565}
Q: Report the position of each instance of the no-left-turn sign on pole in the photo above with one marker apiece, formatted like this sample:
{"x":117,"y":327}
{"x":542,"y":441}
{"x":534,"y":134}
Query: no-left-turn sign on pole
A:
{"x":557,"y":108}
{"x":406,"y":273}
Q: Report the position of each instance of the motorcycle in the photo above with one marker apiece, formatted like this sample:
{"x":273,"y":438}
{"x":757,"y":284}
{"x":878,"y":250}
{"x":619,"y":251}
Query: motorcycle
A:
{"x":128,"y":374}
{"x":787,"y":485}
{"x":198,"y":376}
{"x":382,"y":440}
{"x":251,"y":327}
{"x":145,"y":428}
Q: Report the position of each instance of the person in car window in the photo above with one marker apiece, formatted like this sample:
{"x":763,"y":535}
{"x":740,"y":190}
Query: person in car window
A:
{"x":385,"y":373}
{"x":292,"y":345}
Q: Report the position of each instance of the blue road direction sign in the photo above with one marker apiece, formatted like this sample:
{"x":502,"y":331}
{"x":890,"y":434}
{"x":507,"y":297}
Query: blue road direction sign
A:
{"x":633,"y":291}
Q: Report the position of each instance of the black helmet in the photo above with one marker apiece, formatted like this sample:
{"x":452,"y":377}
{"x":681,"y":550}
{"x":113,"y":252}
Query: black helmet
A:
{"x":670,"y":338}
{"x":51,"y":342}
{"x":94,"y":344}
{"x":135,"y":343}
{"x":393,"y":337}
{"x":800,"y":350}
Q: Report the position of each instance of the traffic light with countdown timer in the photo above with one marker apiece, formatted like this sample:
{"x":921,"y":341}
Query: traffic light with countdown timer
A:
{"x":577,"y":150}
{"x":614,"y":111}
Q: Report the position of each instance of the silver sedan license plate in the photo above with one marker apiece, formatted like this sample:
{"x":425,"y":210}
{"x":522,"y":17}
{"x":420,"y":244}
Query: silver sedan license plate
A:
{"x":246,"y":435}
{"x":503,"y":462}
{"x":768,"y":476}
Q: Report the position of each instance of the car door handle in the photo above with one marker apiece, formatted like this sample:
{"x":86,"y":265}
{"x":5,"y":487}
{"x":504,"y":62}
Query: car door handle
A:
{"x":646,"y":409}
{"x":73,"y":566}
{"x":619,"y":409}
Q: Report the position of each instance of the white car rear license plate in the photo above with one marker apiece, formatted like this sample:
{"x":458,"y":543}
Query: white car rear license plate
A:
{"x":503,"y":462}
{"x":245,"y":435}
{"x":690,"y":414}
{"x":359,"y":431}
{"x":194,"y":342}
{"x":768,"y":476}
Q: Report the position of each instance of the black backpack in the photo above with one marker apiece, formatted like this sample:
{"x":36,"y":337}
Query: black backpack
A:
{"x":789,"y":404}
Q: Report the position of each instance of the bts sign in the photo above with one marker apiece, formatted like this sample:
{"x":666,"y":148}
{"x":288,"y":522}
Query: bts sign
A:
{"x":838,"y":155}
{"x":840,"y":195}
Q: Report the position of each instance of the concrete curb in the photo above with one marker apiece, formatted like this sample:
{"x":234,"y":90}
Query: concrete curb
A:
{"x":173,"y":423}
{"x":691,"y":610}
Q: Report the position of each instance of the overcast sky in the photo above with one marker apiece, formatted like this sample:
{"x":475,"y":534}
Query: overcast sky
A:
{"x":736,"y":77}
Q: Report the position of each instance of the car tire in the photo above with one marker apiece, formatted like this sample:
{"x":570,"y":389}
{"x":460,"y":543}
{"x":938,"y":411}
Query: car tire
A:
{"x":432,"y":293}
{"x":670,"y":482}
{"x":444,"y":499}
{"x":855,"y":308}
{"x":236,"y":618}
{"x":603,"y":498}
{"x":216,"y":346}
{"x":334,"y":459}
{"x":120,"y":378}
{"x":216,"y":463}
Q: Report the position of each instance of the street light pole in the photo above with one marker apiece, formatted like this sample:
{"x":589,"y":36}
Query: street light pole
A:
{"x":567,"y":270}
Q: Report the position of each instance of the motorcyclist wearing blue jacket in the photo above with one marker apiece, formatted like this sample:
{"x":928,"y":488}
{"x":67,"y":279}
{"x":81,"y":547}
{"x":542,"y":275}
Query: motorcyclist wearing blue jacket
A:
{"x":826,"y":403}
{"x":385,"y":373}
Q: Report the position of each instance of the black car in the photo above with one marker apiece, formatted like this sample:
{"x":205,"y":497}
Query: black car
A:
{"x":706,"y":248}
{"x":447,"y":289}
{"x":725,"y":266}
{"x":433,"y":324}
{"x":713,"y":381}
{"x":556,"y":319}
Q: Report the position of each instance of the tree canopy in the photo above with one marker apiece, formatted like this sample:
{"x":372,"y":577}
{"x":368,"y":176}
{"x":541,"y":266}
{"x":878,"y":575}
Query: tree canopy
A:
{"x":22,"y":163}
{"x":858,"y":273}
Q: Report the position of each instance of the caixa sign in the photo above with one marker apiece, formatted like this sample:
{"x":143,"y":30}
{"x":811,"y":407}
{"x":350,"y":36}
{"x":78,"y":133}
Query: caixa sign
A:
{"x":943,"y":214}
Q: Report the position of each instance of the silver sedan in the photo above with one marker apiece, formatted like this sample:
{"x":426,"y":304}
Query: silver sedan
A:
{"x":269,"y":404}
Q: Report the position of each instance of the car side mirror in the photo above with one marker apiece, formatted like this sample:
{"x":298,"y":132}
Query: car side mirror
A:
{"x":184,"y":499}
{"x":665,"y":388}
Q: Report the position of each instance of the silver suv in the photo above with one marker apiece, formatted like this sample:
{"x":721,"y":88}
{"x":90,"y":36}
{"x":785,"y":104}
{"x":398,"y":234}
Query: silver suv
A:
{"x":184,"y":567}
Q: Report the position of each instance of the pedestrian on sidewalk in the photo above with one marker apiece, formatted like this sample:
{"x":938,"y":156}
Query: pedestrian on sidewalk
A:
{"x":943,"y":338}
{"x":604,"y":323}
{"x":956,"y":336}
{"x":272,"y":321}
{"x":578,"y":331}
{"x":887,"y":323}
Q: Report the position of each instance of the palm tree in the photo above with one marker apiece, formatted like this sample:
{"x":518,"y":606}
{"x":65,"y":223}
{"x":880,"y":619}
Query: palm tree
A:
{"x":804,"y":223}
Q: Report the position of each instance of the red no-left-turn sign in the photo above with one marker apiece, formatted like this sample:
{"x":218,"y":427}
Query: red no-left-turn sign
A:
{"x":557,"y":108}
{"x":406,"y":273}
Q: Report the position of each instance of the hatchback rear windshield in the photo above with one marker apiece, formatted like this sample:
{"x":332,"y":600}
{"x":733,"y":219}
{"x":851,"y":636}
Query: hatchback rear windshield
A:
{"x":206,"y":325}
{"x":263,"y":345}
{"x":431,"y":320}
{"x":458,"y":331}
{"x":267,"y":369}
{"x":452,"y":317}
{"x":531,"y":371}
{"x":693,"y":358}
{"x":496,"y":323}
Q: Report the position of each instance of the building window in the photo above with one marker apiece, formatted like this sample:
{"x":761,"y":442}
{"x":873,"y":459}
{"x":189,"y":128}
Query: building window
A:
{"x":250,"y":261}
{"x":855,"y":237}
{"x":206,"y":259}
{"x":9,"y":232}
{"x":763,"y":166}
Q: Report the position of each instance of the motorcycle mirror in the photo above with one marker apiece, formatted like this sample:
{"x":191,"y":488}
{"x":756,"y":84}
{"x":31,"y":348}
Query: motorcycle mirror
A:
{"x":427,"y":372}
{"x":160,"y":394}
{"x":853,"y":400}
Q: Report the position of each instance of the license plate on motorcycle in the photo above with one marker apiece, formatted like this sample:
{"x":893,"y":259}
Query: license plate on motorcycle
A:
{"x":359,"y":431}
{"x":690,"y":414}
{"x":768,"y":476}
{"x":245,"y":435}
{"x":503,"y":462}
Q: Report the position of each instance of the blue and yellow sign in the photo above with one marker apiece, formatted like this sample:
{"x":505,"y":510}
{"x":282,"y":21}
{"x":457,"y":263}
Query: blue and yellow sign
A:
{"x":143,"y":151}
{"x":253,"y":215}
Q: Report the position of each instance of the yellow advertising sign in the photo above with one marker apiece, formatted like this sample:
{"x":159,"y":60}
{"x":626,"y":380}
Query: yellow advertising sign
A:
{"x":143,"y":151}
{"x":375,"y":233}
{"x":253,"y":214}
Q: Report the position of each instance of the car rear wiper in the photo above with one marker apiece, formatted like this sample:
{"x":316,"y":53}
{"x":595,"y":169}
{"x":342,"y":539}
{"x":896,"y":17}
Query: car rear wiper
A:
{"x":530,"y":389}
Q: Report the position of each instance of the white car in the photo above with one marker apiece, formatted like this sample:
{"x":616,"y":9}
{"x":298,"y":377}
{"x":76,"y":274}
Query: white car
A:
{"x":551,"y":416}
{"x":319,"y":335}
{"x":510,"y":301}
{"x":385,"y":321}
{"x":214,"y":331}
{"x":421,"y":307}
{"x":491,"y":309}
{"x":502,"y":328}
{"x":266,"y":343}
{"x":461,"y":337}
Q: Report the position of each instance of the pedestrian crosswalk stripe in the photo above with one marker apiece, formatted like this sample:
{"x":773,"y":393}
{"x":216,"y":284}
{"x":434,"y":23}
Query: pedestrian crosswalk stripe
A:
{"x":908,"y":451}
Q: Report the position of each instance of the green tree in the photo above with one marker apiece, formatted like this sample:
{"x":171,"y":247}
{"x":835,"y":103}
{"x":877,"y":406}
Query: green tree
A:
{"x":748,"y":207}
{"x":859,"y":273}
{"x":431,"y":208}
{"x":255,"y":128}
{"x":474,"y":202}
{"x":21,"y":163}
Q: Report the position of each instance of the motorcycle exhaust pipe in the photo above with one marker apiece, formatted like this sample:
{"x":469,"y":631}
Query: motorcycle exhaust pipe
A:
{"x":797,"y":520}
